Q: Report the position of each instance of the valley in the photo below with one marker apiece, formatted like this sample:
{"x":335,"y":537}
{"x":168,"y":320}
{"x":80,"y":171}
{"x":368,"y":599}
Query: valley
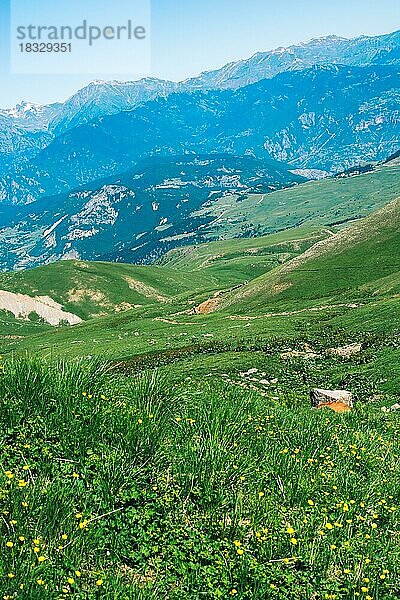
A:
{"x":186,"y":269}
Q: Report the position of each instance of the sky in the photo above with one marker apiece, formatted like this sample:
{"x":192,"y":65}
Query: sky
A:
{"x":188,"y":36}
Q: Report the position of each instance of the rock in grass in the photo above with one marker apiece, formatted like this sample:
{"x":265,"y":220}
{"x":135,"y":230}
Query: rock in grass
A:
{"x":337,"y":400}
{"x":346,"y":351}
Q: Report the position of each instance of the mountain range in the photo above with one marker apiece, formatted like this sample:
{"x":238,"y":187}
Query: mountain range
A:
{"x":267,"y":122}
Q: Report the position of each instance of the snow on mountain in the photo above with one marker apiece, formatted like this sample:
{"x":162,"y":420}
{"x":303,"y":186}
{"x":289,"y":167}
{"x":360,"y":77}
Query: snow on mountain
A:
{"x":27,"y":129}
{"x":361,"y":51}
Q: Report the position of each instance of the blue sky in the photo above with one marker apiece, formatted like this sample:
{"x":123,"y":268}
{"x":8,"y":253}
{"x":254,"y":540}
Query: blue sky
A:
{"x":188,"y":37}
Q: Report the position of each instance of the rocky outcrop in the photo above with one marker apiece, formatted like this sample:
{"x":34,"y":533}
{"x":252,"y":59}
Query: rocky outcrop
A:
{"x":346,"y":351}
{"x":22,"y":306}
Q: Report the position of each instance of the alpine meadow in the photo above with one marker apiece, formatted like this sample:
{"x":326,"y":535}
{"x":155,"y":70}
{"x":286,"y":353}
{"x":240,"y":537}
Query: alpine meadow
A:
{"x":200,"y":333}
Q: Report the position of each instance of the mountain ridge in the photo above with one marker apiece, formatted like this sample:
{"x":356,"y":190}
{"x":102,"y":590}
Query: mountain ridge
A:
{"x":326,"y":117}
{"x":110,"y":97}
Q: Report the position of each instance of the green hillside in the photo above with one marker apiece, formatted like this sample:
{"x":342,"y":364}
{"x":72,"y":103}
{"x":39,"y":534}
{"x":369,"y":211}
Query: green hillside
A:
{"x":298,"y":279}
{"x":355,"y":264}
{"x":335,"y":200}
{"x":90,"y":289}
{"x":235,"y":260}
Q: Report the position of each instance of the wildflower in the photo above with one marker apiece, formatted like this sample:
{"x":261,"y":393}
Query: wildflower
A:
{"x":25,"y":468}
{"x":83,"y":524}
{"x":75,"y":475}
{"x":78,"y":573}
{"x":64,"y":536}
{"x":329,"y":526}
{"x":237,"y":543}
{"x":9,"y":544}
{"x":233,"y":592}
{"x":367,"y":560}
{"x":36,"y":542}
{"x":290,"y":530}
{"x":9,"y":475}
{"x":140,"y":421}
{"x":21,"y":538}
{"x":333,"y":547}
{"x":240,"y":551}
{"x":40,"y":581}
{"x":364,"y":589}
{"x":293,"y":541}
{"x":11,"y":575}
{"x":41,"y":559}
{"x":99,"y":582}
{"x":22,"y":483}
{"x":310,"y":502}
{"x":78,"y":516}
{"x":261,"y":494}
{"x":71,"y":580}
{"x":24,"y":504}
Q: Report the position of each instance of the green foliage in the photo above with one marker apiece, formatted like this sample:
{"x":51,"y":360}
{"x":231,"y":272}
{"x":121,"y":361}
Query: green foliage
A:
{"x":143,"y":487}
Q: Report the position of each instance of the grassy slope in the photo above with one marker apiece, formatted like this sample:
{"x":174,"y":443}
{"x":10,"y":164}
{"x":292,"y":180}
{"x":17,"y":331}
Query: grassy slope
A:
{"x":367,"y":249}
{"x":359,"y":261}
{"x":197,"y":272}
{"x":357,"y":266}
{"x":314,"y":203}
{"x":92,"y":288}
{"x":235,"y":260}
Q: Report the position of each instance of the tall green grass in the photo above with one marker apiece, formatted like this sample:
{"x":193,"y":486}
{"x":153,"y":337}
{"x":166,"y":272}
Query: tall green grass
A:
{"x":136,"y":487}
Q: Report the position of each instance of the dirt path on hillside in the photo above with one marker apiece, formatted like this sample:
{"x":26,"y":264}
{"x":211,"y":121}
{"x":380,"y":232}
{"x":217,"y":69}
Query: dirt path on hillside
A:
{"x":172,"y":322}
{"x":292,"y":312}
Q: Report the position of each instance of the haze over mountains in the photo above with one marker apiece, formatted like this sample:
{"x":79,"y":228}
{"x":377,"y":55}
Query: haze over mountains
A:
{"x":258,"y":124}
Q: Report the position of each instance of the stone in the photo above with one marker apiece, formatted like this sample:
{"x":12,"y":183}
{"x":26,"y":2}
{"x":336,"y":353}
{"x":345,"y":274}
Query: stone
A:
{"x":336,"y":400}
{"x":346,"y":351}
{"x":392,"y":408}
